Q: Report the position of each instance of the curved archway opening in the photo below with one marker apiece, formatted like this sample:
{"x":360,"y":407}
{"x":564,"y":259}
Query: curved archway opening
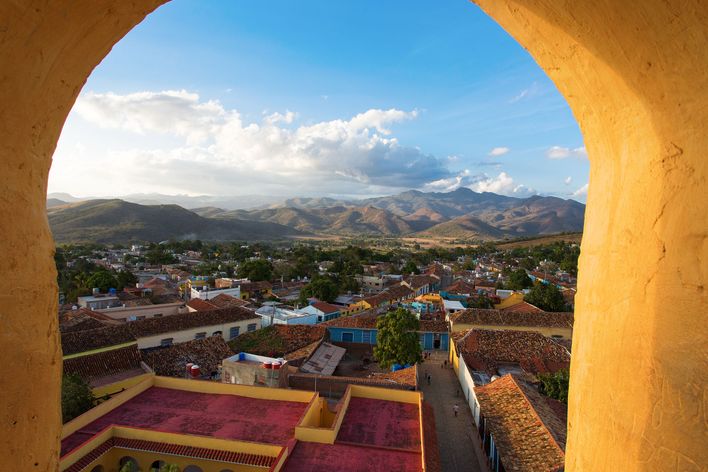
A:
{"x":639,"y":114}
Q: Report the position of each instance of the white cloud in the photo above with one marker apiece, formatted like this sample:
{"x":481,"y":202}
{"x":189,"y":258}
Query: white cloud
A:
{"x":213,"y":150}
{"x":568,"y":180}
{"x":498,"y":151}
{"x":559,"y":152}
{"x":526,"y":93}
{"x":502,"y":184}
{"x":581,"y":192}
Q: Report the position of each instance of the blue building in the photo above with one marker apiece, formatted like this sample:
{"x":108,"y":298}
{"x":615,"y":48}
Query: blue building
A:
{"x":433,"y":335}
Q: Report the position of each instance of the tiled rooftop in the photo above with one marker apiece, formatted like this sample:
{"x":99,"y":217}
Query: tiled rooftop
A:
{"x":479,"y":316}
{"x":278,"y":340}
{"x":110,"y":336}
{"x":529,"y":433}
{"x":170,"y":361}
{"x":485,"y":350}
{"x":203,"y":414}
{"x":433,"y":326}
{"x":355,"y":321}
{"x":104,"y":363}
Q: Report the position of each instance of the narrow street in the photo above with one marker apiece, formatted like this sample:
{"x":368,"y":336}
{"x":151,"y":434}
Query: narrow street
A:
{"x":458,"y":448}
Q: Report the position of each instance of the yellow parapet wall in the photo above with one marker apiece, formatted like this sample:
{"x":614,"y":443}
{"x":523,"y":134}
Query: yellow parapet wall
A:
{"x":117,"y":387}
{"x":264,"y":393}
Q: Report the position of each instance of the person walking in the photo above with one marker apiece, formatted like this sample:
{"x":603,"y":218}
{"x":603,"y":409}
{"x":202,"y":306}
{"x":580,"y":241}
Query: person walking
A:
{"x":455,"y":409}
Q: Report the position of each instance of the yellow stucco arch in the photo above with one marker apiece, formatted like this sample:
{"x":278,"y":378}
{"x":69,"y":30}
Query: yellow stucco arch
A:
{"x":635,"y":73}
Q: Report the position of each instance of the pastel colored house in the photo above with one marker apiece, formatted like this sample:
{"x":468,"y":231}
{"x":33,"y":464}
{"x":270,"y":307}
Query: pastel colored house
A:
{"x":433,"y":335}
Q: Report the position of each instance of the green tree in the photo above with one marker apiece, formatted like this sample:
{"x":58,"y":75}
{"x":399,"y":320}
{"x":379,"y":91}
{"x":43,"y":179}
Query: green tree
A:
{"x":555,"y":385}
{"x":397,"y":339}
{"x":126,"y":278}
{"x":322,"y":288}
{"x":547,"y":297}
{"x":157,"y":254}
{"x":76,"y":397}
{"x":480,"y":301}
{"x":103,"y":280}
{"x":410,"y":268}
{"x":256,"y":270}
{"x":518,"y":280}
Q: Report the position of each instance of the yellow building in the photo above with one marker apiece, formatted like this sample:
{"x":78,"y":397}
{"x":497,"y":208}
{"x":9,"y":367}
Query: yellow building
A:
{"x":203,"y":426}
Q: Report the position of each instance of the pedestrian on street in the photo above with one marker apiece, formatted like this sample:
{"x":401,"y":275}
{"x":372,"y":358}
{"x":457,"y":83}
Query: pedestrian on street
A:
{"x":429,"y":378}
{"x":455,"y":408}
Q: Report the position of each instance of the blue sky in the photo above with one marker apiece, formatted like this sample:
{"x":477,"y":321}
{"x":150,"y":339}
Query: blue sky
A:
{"x":310,"y":98}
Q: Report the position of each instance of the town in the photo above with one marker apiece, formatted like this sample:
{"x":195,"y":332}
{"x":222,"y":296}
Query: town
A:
{"x":466,"y":342}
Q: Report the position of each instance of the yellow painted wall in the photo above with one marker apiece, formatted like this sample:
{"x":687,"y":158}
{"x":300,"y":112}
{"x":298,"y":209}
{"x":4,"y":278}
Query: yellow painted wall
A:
{"x":114,"y":387}
{"x":207,"y":386}
{"x":513,"y":299}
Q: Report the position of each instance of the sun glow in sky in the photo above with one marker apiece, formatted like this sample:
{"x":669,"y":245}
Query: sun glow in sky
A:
{"x":319,"y":98}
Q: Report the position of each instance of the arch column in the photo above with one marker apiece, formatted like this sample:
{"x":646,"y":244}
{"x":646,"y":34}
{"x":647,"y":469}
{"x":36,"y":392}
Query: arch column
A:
{"x":635,"y":74}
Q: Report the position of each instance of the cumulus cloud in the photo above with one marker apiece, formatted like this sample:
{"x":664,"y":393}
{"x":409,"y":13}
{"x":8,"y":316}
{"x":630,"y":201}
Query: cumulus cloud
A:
{"x":559,"y":152}
{"x":498,"y":151}
{"x":568,"y":180}
{"x":218,"y":151}
{"x":502,"y":184}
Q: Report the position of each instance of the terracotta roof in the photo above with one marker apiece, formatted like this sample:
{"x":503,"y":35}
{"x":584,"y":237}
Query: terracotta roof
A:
{"x":104,"y":363}
{"x":460,"y":286}
{"x":326,"y":308}
{"x":253,"y":286}
{"x":170,"y":361}
{"x":362,"y":322}
{"x":224,"y":300}
{"x":528,"y":432}
{"x":278,"y":340}
{"x":83,"y":319}
{"x":418,"y":281}
{"x":405,"y":376}
{"x":485,"y":350}
{"x":303,"y":353}
{"x":433,"y":326}
{"x":200,"y":305}
{"x":82,"y":341}
{"x":480,"y":316}
{"x":522,"y":307}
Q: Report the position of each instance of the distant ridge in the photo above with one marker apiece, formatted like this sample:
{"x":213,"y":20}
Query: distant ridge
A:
{"x":462,"y":214}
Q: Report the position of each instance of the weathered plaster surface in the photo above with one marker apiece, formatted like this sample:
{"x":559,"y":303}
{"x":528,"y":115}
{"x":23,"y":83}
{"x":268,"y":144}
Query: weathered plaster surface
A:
{"x":635,"y":74}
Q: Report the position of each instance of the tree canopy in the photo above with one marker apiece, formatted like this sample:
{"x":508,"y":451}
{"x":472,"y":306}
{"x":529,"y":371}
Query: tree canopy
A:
{"x":518,"y":280}
{"x":76,"y":397}
{"x":322,"y":288}
{"x":555,"y":385}
{"x":547,"y":297}
{"x":397,"y":339}
{"x":256,"y":270}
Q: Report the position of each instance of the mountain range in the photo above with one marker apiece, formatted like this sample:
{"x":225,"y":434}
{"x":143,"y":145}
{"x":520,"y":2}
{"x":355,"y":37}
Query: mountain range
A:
{"x":462,"y":214}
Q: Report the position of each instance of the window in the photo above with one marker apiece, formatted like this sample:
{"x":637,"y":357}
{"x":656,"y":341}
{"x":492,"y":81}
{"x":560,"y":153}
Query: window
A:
{"x":157,"y":315}
{"x":556,"y":336}
{"x":141,"y":317}
{"x":319,"y":319}
{"x":366,"y":337}
{"x":347,"y":337}
{"x":233,"y":332}
{"x":252,"y":327}
{"x":166,"y":342}
{"x":216,"y":333}
{"x":201,"y":335}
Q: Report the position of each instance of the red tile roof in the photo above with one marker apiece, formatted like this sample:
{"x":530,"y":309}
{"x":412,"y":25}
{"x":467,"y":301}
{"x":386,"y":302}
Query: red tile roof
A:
{"x":278,"y":340}
{"x":485,"y":350}
{"x":171,"y":361}
{"x":361,"y":322}
{"x":326,"y":308}
{"x":523,"y":307}
{"x":484,"y":317}
{"x":433,"y":326}
{"x":83,"y":341}
{"x":104,"y":363}
{"x":528,"y":433}
{"x":200,"y":305}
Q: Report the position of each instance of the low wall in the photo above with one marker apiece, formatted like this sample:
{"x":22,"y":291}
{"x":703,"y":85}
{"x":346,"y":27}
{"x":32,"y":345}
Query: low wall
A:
{"x":333,"y":386}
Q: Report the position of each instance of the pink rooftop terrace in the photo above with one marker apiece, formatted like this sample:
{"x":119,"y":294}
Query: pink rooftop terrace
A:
{"x":205,"y":414}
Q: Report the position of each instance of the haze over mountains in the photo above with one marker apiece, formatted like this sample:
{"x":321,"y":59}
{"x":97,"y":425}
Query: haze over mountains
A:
{"x":462,"y":213}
